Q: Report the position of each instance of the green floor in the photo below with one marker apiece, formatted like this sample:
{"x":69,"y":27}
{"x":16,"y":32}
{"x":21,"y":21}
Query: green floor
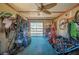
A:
{"x":39,"y":46}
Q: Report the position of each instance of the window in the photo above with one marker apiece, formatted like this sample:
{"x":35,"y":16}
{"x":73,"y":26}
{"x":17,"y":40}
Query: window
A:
{"x":36,"y":29}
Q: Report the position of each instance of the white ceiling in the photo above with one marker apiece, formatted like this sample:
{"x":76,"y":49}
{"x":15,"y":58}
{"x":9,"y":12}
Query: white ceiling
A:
{"x":32,"y":7}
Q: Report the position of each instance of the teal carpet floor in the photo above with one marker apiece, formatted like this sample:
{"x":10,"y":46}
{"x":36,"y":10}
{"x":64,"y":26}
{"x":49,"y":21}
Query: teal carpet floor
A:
{"x":39,"y":46}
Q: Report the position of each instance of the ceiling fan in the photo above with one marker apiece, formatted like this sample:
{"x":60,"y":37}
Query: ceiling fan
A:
{"x":44,"y":8}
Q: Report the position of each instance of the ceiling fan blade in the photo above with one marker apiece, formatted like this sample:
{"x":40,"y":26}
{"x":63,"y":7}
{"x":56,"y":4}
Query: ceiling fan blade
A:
{"x":37,"y":5}
{"x":46,"y":11}
{"x":41,"y":5}
{"x":48,"y":6}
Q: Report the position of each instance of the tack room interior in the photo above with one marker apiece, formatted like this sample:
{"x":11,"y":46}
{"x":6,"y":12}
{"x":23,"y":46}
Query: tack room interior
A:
{"x":39,"y":28}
